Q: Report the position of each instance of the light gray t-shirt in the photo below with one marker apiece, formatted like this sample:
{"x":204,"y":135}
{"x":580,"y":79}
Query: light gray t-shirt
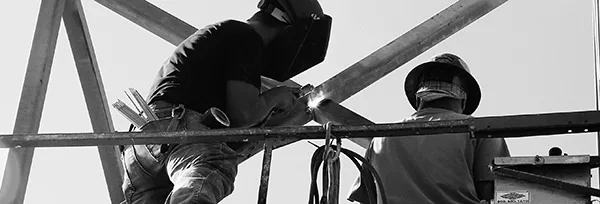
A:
{"x":432,"y":169}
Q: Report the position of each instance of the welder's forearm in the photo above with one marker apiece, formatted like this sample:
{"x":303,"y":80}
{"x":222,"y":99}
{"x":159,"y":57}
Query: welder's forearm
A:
{"x":265,"y":105}
{"x":296,"y":116}
{"x":252,"y":116}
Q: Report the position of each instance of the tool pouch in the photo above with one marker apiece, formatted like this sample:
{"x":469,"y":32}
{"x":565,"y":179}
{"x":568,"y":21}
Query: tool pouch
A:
{"x":183,"y":119}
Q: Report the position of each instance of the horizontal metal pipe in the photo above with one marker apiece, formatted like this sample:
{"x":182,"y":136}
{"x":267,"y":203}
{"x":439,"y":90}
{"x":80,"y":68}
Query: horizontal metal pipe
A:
{"x":485,"y":127}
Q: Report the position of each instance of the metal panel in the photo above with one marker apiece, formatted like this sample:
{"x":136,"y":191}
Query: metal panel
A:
{"x":484,"y":127}
{"x":93,"y":91}
{"x":405,"y":48}
{"x":557,"y":184}
{"x":18,"y":164}
{"x":543,"y":179}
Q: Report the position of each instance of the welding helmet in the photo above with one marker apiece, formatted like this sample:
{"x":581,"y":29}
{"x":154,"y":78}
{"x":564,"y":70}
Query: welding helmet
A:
{"x":303,"y":42}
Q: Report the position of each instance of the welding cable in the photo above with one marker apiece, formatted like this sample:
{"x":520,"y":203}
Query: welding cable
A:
{"x":325,"y":158}
{"x":331,"y":167}
{"x":368,"y":175}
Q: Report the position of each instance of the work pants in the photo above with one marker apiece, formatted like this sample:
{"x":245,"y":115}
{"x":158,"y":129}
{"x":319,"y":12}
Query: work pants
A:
{"x":201,"y":173}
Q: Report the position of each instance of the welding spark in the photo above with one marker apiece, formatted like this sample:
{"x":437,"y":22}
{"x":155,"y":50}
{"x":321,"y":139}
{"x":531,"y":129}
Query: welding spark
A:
{"x":315,"y":99}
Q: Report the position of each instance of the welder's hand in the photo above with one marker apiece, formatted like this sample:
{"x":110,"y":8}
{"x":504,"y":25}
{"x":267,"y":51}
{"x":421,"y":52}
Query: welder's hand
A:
{"x":290,"y":109}
{"x":299,"y":105}
{"x":299,"y":114}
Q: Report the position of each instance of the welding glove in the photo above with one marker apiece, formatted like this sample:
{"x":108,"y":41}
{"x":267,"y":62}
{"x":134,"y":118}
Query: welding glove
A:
{"x":290,"y":111}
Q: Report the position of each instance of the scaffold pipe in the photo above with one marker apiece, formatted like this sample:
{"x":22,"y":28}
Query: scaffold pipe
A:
{"x":484,"y":127}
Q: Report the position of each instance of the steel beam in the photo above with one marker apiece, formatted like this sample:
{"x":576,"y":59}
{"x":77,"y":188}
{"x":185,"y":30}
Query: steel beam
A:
{"x":31,"y":104}
{"x":484,"y":127}
{"x":93,"y":91}
{"x":393,"y":55}
{"x":329,"y":111}
{"x":404,"y":48}
{"x":151,"y":18}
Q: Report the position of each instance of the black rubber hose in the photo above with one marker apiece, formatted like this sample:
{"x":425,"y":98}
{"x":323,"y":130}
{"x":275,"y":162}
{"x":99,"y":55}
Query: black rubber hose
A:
{"x":367,"y":172}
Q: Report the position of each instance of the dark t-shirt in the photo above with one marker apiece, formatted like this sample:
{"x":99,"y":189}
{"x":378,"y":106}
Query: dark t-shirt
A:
{"x":196,"y":73}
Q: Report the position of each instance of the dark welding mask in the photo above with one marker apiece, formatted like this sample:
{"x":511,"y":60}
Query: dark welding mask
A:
{"x":302,"y":44}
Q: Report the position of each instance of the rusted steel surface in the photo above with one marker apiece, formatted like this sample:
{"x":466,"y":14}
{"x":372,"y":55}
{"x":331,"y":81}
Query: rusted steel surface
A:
{"x":485,"y":127}
{"x":542,"y":160}
{"x":227,"y":135}
{"x":265,"y":173}
{"x":93,"y":91}
{"x":31,"y":104}
{"x":536,"y":124}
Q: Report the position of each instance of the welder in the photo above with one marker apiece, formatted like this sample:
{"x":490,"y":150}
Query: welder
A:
{"x":219,"y":67}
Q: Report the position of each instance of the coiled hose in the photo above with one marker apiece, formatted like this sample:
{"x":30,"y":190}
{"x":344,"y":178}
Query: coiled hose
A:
{"x":368,"y":175}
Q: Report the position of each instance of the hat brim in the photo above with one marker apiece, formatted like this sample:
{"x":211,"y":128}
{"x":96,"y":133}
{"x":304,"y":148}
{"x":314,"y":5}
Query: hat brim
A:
{"x":411,"y":85}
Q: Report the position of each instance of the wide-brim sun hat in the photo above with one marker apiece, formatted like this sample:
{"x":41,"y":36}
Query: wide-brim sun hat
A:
{"x":448,"y":62}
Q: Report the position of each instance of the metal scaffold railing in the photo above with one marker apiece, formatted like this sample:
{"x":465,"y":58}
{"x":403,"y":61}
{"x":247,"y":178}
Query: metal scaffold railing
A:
{"x":484,"y":127}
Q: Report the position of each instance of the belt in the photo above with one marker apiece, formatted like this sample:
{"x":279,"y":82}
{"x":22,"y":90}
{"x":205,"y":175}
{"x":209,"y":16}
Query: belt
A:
{"x":163,"y":109}
{"x":212,"y":118}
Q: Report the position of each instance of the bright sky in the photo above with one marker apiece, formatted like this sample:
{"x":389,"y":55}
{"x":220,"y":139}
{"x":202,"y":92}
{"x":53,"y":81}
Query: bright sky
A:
{"x":528,"y":56}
